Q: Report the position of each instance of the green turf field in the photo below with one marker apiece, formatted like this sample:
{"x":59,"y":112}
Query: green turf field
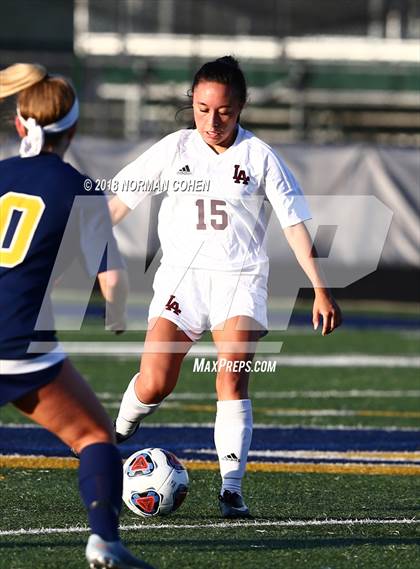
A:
{"x":302,"y":521}
{"x":207,"y":543}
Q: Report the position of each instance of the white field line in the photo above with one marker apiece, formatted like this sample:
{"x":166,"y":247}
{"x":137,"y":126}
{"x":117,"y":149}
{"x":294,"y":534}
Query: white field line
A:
{"x":274,"y":412}
{"x":221,"y":525}
{"x":336,"y":393}
{"x":409,"y":334}
{"x":327,"y":394}
{"x":136,"y":348}
{"x":361,"y":456}
{"x":389,"y":428}
{"x":348,"y":360}
{"x":338,"y":413}
{"x":338,"y":360}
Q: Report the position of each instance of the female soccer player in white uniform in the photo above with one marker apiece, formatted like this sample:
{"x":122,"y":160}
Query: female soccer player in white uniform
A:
{"x":38,"y":191}
{"x":213,"y":273}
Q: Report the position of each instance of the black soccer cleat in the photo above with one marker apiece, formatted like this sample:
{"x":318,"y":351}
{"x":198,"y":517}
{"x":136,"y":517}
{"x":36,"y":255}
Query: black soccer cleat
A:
{"x":74,"y":453}
{"x":232,"y":506}
{"x":120,"y":438}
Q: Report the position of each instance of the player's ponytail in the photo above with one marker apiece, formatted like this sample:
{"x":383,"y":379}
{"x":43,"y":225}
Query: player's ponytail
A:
{"x":47,"y":105}
{"x":225,"y":70}
{"x":228,"y":60}
{"x":20,"y":76}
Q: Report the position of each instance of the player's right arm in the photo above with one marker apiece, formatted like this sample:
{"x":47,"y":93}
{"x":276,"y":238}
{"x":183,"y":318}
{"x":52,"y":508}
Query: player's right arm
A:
{"x":114,"y":288}
{"x":101,"y":258}
{"x":117,"y":210}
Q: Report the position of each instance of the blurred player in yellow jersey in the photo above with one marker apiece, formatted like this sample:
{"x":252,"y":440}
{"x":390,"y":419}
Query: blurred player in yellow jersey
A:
{"x":38,"y":192}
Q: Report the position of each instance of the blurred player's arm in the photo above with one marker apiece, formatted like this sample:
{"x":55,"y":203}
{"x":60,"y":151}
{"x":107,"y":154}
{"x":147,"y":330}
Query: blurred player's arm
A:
{"x":324,"y":304}
{"x":117,"y":209}
{"x":114,"y":288}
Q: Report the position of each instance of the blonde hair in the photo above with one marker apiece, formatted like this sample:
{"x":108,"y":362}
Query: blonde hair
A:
{"x":19,"y":76}
{"x":40,"y":96}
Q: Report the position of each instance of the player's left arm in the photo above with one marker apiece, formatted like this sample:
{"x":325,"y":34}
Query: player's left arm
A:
{"x":324,"y":304}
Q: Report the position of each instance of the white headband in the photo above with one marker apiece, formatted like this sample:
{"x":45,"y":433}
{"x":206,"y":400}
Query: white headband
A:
{"x":33,"y":142}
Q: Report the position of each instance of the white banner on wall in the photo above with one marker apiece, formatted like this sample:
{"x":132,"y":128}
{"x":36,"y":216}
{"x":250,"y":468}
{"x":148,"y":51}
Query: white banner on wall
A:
{"x":391,"y":175}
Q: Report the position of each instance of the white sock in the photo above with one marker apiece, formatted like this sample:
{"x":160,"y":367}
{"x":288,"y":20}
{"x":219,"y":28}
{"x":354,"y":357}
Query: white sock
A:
{"x":232,"y":437}
{"x":132,"y":410}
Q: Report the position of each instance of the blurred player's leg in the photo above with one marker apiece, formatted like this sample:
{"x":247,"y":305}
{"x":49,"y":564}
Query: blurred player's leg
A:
{"x":68,"y":407}
{"x":233,"y":425}
{"x":157,"y":378}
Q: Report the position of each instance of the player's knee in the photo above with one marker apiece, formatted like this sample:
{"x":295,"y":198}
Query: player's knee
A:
{"x":154,"y":393}
{"x":234,"y":367}
{"x":93,"y":438}
{"x":155,"y":385}
{"x":100,"y":433}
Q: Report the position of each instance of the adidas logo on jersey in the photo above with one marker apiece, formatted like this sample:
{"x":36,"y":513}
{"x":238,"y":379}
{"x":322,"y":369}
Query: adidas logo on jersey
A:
{"x":231,"y":457}
{"x":184,"y":170}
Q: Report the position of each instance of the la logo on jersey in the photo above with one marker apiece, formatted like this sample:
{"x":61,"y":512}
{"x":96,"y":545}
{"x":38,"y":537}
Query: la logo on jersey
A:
{"x":240,"y":176}
{"x":172,"y":304}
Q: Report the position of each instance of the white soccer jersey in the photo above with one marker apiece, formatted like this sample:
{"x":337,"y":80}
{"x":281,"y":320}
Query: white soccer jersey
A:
{"x":213,"y":215}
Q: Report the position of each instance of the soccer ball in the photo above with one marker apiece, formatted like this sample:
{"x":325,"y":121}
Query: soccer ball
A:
{"x":155,"y":482}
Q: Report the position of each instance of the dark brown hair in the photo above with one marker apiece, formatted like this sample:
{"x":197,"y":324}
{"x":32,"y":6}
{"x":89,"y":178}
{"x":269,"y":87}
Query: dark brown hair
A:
{"x":224,"y":70}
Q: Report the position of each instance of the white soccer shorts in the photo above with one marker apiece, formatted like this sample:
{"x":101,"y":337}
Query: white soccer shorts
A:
{"x":198,"y":300}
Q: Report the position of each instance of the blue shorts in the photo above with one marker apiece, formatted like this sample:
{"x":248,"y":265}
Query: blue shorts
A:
{"x":14,"y":386}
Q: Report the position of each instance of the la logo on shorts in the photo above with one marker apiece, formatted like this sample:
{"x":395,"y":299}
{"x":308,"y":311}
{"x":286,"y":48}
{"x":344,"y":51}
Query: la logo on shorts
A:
{"x":172,"y":304}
